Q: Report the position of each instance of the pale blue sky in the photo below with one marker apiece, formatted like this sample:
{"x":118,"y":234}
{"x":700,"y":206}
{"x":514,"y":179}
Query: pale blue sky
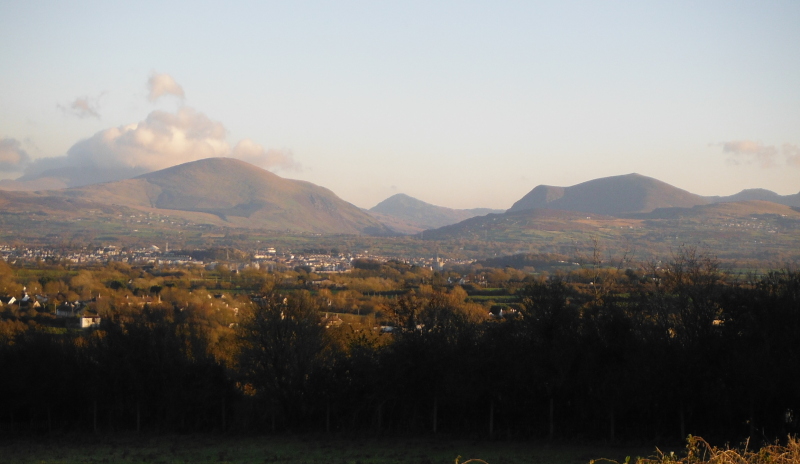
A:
{"x":461,"y":104}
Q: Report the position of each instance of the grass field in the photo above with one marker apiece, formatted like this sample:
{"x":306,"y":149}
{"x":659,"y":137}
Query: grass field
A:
{"x":216,"y":449}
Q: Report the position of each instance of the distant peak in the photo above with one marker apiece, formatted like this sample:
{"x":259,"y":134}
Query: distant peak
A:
{"x":758,"y":190}
{"x":398,"y":200}
{"x":624,"y":193}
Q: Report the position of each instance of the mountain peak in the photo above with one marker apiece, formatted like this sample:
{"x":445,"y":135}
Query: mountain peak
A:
{"x":227,"y":167}
{"x":407,"y":214}
{"x":756,"y":194}
{"x":626,"y":193}
{"x":399,"y":200}
{"x":239,"y":194}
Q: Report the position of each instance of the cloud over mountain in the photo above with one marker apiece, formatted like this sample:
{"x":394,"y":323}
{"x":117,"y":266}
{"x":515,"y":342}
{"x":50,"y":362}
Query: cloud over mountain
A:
{"x":272,"y":159}
{"x":162,"y":140}
{"x":792,"y":153}
{"x":749,"y":152}
{"x":163,"y":84}
{"x":12,"y":157}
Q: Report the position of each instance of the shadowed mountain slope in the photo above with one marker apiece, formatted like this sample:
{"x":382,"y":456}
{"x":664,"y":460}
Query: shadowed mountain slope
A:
{"x":406,"y":214}
{"x":233,"y":193}
{"x":506,"y":225}
{"x":750,"y":230}
{"x":758,"y":195}
{"x":723,"y":210}
{"x":631,"y":193}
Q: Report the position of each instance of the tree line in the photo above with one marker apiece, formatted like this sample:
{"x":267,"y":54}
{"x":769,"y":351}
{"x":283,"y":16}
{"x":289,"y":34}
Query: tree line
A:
{"x":656,"y":353}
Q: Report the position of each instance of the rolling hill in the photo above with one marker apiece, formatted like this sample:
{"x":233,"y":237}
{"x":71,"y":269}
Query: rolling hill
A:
{"x":406,"y":214}
{"x":225,"y":201}
{"x":221,"y":191}
{"x":758,"y":195}
{"x":753,"y":230}
{"x":631,"y":193}
{"x":724,"y":210}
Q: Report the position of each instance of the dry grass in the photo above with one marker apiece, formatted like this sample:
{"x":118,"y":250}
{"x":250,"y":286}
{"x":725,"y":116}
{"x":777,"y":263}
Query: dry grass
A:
{"x":700,"y":451}
{"x":293,"y":449}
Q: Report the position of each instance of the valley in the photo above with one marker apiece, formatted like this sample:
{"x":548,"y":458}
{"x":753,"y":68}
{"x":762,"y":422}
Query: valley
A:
{"x":226,"y":203}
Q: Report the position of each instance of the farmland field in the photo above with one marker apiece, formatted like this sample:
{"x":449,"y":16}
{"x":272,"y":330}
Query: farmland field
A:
{"x":297,"y":449}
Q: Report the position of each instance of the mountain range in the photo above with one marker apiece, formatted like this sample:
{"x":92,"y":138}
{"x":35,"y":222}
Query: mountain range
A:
{"x":231,"y":193}
{"x":220,"y":191}
{"x":759,"y":195}
{"x":406,"y":214}
{"x":632,"y":193}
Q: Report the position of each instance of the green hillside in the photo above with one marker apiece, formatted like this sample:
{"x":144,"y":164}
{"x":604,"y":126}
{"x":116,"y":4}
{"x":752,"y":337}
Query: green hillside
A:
{"x":760,"y":231}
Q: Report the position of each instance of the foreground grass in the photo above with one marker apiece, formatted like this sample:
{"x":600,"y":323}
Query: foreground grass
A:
{"x":208,"y":449}
{"x":698,"y":451}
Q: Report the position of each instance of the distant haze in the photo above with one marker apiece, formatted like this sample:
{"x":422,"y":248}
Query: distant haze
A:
{"x":405,"y":214}
{"x":458,"y":104}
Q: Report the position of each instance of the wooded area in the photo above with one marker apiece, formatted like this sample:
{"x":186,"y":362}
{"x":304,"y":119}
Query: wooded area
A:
{"x":649,"y":352}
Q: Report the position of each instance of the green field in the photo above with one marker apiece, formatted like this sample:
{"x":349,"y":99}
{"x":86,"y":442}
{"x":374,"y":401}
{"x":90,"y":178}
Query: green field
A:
{"x":297,"y":449}
{"x":744,"y":235}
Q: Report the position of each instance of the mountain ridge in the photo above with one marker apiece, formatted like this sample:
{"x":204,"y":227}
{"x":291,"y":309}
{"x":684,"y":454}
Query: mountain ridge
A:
{"x":629,"y":193}
{"x":758,"y":194}
{"x":238,"y":194}
{"x":406,"y":214}
{"x":233,"y":193}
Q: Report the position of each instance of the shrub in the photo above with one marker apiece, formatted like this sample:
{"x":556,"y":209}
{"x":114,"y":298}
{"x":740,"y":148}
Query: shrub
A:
{"x":700,"y":451}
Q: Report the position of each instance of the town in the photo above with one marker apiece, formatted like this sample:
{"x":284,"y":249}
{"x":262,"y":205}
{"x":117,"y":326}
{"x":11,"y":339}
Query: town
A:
{"x":266,"y":258}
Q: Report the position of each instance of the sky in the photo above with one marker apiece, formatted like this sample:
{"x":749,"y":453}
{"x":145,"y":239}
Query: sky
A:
{"x":458,"y":103}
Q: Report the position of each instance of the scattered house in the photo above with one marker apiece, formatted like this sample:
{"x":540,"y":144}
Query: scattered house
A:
{"x":331,"y":320}
{"x":90,"y":320}
{"x":79,"y":309}
{"x":24,"y":302}
{"x":28,"y":302}
{"x":499,"y":312}
{"x":67,"y":309}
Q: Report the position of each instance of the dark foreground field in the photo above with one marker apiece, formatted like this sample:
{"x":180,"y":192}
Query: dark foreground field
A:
{"x":199,"y":449}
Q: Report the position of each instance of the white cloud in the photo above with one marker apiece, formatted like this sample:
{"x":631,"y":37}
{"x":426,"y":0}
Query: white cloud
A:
{"x":766,"y":156}
{"x":749,"y":152}
{"x":272,"y":159}
{"x":163,"y":84}
{"x":792,"y":154}
{"x":12,"y":157}
{"x":82,"y":107}
{"x":162,"y":140}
